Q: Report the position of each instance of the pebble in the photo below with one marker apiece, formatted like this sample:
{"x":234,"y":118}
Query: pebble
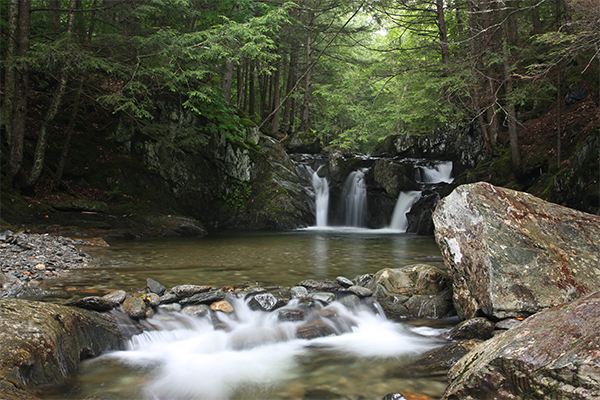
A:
{"x":36,"y":256}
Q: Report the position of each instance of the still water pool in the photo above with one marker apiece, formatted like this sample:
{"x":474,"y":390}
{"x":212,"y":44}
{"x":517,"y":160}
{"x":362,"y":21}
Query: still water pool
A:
{"x":257,"y":357}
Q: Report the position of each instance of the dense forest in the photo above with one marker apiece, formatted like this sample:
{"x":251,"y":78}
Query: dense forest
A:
{"x":349,"y":72}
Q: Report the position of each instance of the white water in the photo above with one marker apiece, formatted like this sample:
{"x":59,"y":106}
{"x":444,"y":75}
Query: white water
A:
{"x":355,"y":199}
{"x":188,"y":358}
{"x":439,"y":172}
{"x":321,"y":187}
{"x":403,"y":205}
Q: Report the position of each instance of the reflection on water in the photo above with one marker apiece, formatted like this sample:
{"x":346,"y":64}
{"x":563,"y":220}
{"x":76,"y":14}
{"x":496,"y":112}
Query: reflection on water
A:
{"x":229,"y":259}
{"x":195,"y":361}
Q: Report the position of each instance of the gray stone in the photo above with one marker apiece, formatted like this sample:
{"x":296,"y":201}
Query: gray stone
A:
{"x":437,"y":361}
{"x":204,"y":298}
{"x":322,"y":286}
{"x":298,"y":292}
{"x":511,"y":254}
{"x":476,"y":328}
{"x":361,"y":291}
{"x":152,"y":299}
{"x":171,"y":307}
{"x":269,"y":301}
{"x":323,"y":297}
{"x":291,"y":314}
{"x":345,"y":282}
{"x":92,"y":303}
{"x":115,"y":298}
{"x":314,"y":329}
{"x":155,"y":287}
{"x":184,"y":291}
{"x":410,"y":292}
{"x":134,"y":307}
{"x":199,"y":310}
{"x":553,"y":353}
{"x":168,"y":298}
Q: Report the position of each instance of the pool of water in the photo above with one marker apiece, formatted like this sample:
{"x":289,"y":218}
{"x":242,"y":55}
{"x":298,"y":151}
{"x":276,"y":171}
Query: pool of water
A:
{"x":186,"y":358}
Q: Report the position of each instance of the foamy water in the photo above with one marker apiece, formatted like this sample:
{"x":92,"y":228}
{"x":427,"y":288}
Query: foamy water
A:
{"x":187,"y":358}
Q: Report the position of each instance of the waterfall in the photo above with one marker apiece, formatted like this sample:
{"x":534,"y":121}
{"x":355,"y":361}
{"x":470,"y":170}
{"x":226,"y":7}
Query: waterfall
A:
{"x":436,"y":173}
{"x":355,"y":198}
{"x":321,"y":187}
{"x":403,"y":206}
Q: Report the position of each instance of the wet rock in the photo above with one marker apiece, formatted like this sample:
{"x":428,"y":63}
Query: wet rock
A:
{"x":152,"y":299}
{"x":298,"y":292}
{"x":41,"y":343}
{"x":11,"y":286}
{"x":361,"y":291}
{"x":415,"y":291}
{"x":314,"y":329}
{"x":507,"y":324}
{"x":322,"y":297}
{"x":511,"y":254}
{"x":406,"y":396}
{"x":168,"y":298}
{"x":345,"y":282}
{"x":154,"y":287}
{"x":555,"y":352}
{"x":184,"y":291}
{"x":438,"y":361}
{"x":269,"y":301}
{"x":134,"y":307}
{"x":92,"y":303}
{"x":323,"y":286}
{"x":204,"y":298}
{"x":291,"y":314}
{"x":476,"y":328}
{"x":349,"y":300}
{"x":171,"y":307}
{"x":115,"y":298}
{"x":199,"y":310}
{"x":223,"y":306}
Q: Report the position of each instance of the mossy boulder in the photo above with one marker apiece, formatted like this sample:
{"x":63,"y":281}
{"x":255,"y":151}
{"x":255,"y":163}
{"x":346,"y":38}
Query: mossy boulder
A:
{"x":303,"y":142}
{"x":41,"y":343}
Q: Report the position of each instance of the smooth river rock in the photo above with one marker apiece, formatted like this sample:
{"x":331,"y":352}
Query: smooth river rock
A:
{"x":511,"y":254}
{"x":414,"y":291}
{"x":554,"y":354}
{"x":41,"y":343}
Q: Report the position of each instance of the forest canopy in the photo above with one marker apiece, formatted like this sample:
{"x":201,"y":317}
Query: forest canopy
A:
{"x":351,"y":72}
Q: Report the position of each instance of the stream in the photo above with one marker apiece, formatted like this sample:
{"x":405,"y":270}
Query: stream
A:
{"x":257,"y":356}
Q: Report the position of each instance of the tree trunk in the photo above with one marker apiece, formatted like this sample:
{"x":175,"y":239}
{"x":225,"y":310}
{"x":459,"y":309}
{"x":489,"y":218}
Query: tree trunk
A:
{"x":9,"y":78}
{"x":510,"y":106}
{"x":40,"y":148}
{"x":276,"y":97}
{"x":251,"y":96}
{"x":21,"y":87}
{"x":65,"y":150}
{"x":291,"y":79}
{"x":305,"y":123}
{"x":443,"y":33}
{"x":240,"y":86}
{"x":227,"y":81}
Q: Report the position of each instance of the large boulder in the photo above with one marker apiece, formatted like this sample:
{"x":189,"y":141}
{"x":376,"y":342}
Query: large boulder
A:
{"x":41,"y":343}
{"x":415,"y":291}
{"x":553,"y":354}
{"x":511,"y":254}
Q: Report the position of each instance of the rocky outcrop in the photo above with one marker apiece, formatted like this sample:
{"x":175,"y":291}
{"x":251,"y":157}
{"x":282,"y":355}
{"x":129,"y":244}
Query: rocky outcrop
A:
{"x":245,"y":183}
{"x":416,"y":291}
{"x":511,"y":254}
{"x":553,"y":354}
{"x":41,"y":343}
{"x":462,"y":145}
{"x":304,"y":142}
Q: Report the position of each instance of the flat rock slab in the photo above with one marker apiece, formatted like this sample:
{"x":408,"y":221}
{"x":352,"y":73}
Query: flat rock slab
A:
{"x":553,"y":354}
{"x":511,"y":254}
{"x":41,"y":343}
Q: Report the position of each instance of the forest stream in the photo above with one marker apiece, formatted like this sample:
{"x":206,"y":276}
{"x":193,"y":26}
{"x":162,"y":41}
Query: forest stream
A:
{"x":257,"y":357}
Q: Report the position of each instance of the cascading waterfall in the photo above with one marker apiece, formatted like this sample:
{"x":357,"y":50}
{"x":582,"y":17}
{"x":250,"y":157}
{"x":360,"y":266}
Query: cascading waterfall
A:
{"x":436,"y":173}
{"x":355,"y":198}
{"x":257,"y":356}
{"x":403,"y":206}
{"x":321,"y":187}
